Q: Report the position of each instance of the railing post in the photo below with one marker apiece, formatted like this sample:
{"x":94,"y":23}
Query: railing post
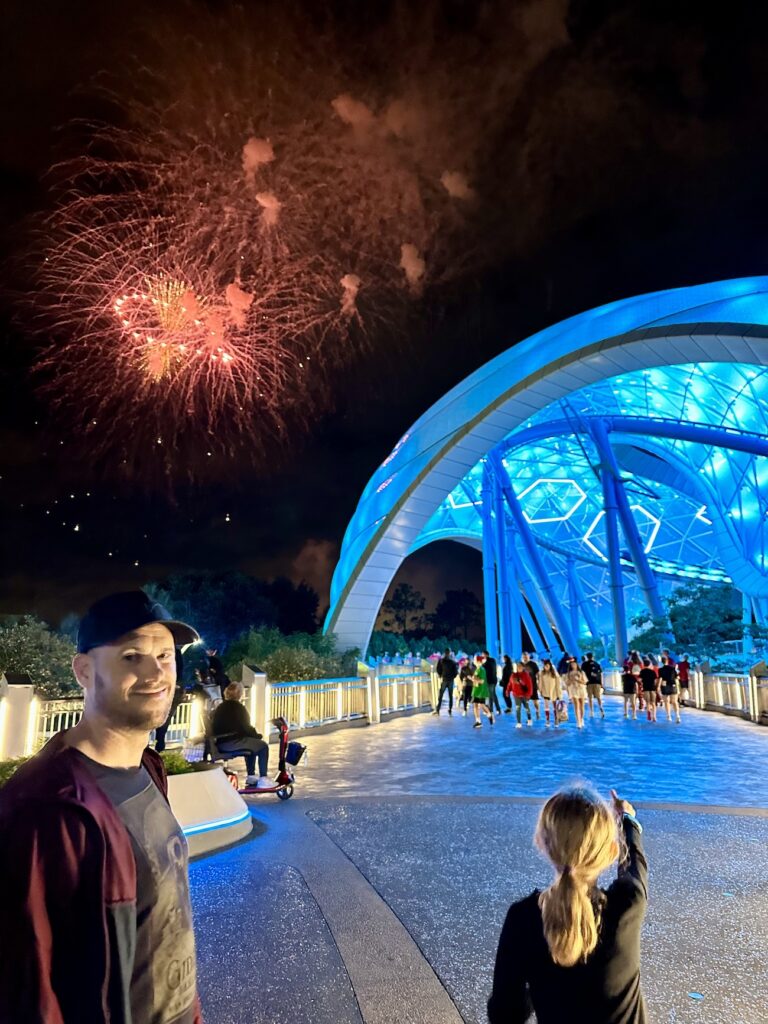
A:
{"x":754,"y":705}
{"x":302,"y":707}
{"x":260,"y":699}
{"x":18,"y":719}
{"x":339,"y":703}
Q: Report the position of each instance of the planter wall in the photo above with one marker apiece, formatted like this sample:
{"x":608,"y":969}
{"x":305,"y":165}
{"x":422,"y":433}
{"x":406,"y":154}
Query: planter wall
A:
{"x":210,"y":811}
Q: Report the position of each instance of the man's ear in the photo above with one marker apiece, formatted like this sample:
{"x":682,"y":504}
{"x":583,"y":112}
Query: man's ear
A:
{"x":82,"y":666}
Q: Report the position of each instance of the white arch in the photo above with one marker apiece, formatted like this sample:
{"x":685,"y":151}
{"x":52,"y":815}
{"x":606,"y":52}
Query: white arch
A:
{"x":723,"y":322}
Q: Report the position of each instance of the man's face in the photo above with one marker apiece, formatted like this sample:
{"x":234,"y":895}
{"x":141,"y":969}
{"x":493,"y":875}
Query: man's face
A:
{"x":130,"y":683}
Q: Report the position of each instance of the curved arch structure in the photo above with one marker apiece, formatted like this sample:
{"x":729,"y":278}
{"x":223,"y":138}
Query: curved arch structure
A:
{"x":594,"y":463}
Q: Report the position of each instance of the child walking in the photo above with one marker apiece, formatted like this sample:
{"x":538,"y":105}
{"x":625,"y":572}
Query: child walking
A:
{"x":480,"y":693}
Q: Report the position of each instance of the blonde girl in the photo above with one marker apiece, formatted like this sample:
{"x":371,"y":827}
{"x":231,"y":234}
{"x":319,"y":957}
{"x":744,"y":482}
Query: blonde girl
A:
{"x":572,"y":952}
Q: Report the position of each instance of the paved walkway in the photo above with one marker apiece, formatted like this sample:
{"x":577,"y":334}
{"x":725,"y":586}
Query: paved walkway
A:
{"x":367,"y":896}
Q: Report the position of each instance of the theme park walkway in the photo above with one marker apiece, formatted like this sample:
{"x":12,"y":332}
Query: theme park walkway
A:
{"x":378,"y":892}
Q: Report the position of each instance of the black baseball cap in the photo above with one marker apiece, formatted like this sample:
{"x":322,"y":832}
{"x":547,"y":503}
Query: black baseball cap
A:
{"x":114,"y":616}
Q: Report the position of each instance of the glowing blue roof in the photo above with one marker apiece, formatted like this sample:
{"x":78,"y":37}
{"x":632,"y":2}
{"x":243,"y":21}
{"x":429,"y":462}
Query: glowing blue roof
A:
{"x":690,"y":355}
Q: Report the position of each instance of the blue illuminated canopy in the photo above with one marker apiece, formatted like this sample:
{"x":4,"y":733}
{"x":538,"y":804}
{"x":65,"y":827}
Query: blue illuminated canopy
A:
{"x":677,"y":381}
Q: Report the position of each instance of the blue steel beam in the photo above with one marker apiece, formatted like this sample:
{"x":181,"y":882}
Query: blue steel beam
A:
{"x":537,"y":624}
{"x":645,"y":576}
{"x":534,"y":557}
{"x":610,"y":508}
{"x":581,"y":597}
{"x":738,"y":441}
{"x":489,"y":570}
{"x":502,"y":567}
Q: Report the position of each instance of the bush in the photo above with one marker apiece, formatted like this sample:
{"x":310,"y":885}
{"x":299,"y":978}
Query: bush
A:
{"x":8,"y":768}
{"x":292,"y":657}
{"x":175,"y":764}
{"x":28,"y":645}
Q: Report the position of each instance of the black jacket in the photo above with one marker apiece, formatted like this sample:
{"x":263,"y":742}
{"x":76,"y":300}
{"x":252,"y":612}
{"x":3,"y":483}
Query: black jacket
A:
{"x":447,"y":669}
{"x":231,"y":719}
{"x":605,"y":989}
{"x":491,"y":672}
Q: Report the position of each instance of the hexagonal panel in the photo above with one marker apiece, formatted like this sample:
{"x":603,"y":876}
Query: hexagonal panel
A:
{"x":551,"y":500}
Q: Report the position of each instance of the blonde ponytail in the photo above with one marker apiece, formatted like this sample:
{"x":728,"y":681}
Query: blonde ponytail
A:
{"x":578,"y":832}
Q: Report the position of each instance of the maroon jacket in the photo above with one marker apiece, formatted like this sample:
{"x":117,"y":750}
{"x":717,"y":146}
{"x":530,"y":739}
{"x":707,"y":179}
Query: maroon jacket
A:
{"x":68,"y":902}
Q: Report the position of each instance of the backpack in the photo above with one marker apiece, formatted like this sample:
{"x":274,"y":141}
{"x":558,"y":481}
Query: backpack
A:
{"x":561,"y":711}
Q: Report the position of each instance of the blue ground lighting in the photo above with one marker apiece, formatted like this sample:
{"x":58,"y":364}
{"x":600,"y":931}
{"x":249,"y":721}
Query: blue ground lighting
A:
{"x":638,"y":428}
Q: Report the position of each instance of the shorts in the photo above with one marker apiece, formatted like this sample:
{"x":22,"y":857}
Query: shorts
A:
{"x":479,"y":700}
{"x":594,"y":689}
{"x":535,"y":694}
{"x":630,"y":689}
{"x":668,"y":691}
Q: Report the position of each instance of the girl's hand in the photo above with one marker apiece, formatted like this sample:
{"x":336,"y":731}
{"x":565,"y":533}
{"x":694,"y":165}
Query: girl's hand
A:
{"x":621,"y":807}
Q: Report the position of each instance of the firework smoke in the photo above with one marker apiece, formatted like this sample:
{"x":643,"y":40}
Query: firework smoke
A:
{"x":257,"y":209}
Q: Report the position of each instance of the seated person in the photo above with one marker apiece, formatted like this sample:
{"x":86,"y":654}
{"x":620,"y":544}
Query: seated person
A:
{"x":231,"y":728}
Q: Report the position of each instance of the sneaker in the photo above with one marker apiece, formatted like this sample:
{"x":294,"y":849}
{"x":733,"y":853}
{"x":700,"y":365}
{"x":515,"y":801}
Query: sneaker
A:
{"x":464,"y":713}
{"x":450,"y":712}
{"x":530,"y":723}
{"x":677,"y":720}
{"x":478,"y":725}
{"x":492,"y":719}
{"x":435,"y":712}
{"x":252,"y":780}
{"x":519,"y":725}
{"x":507,"y":711}
{"x":265,"y":783}
{"x":602,"y":714}
{"x":547,"y":725}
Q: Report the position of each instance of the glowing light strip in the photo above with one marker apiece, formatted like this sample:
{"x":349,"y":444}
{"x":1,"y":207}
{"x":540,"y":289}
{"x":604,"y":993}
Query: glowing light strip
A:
{"x":210,"y":826}
{"x":559,"y":481}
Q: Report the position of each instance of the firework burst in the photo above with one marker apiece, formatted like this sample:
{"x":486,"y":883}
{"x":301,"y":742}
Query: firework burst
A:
{"x":251,"y":215}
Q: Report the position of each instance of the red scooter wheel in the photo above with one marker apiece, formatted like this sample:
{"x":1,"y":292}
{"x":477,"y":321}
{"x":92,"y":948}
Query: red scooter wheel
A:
{"x":286,"y":793}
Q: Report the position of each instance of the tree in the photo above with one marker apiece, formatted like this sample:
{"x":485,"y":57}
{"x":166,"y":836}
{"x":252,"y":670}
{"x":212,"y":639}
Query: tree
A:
{"x":403,"y":605}
{"x":219,"y":605}
{"x":459,"y":614}
{"x":28,"y":645}
{"x":703,"y":617}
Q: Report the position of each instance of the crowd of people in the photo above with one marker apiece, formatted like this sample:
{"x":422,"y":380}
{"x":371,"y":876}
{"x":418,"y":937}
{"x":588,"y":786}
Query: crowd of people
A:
{"x":648,"y":683}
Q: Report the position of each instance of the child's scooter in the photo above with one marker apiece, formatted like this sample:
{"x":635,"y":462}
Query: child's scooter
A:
{"x":289,"y":756}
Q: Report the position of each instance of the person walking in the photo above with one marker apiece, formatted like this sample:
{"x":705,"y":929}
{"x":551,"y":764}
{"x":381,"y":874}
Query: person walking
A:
{"x":594,"y":672}
{"x":506,"y":675}
{"x":466,"y":679}
{"x":492,"y":679}
{"x":572,"y":952}
{"x":629,"y":690}
{"x":668,"y":680}
{"x":684,"y":676}
{"x":95,"y":920}
{"x":447,"y":670}
{"x":522,"y":688}
{"x":480,"y":693}
{"x":550,"y":689}
{"x":576,"y":685}
{"x":530,"y":665}
{"x":650,"y":684}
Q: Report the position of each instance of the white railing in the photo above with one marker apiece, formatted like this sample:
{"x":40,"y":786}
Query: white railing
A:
{"x":55,"y":715}
{"x":729,"y":693}
{"x":400,"y":691}
{"x":316,"y":702}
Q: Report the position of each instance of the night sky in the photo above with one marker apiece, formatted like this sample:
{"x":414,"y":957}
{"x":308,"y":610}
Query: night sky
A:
{"x":638,"y":156}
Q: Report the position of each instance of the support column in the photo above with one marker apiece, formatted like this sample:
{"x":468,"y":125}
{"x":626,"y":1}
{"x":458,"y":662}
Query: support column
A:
{"x":586,"y":611}
{"x":645,"y":574}
{"x":489,"y":573}
{"x":502,"y":569}
{"x":573,"y":597}
{"x":534,"y":557}
{"x":543,"y":631}
{"x":614,"y":565}
{"x":515,"y":597}
{"x":746,"y":619}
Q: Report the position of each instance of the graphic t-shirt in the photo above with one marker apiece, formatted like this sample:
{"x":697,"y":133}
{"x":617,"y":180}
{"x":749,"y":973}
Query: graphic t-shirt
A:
{"x":163,"y":983}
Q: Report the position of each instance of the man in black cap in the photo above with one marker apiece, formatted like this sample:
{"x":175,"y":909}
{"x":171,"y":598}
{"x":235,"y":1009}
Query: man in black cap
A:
{"x":95,"y":918}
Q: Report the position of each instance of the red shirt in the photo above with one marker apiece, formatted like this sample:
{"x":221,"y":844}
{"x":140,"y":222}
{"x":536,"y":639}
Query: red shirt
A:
{"x":520,"y":685}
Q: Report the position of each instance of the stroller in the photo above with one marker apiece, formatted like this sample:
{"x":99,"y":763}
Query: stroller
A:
{"x":290,"y":754}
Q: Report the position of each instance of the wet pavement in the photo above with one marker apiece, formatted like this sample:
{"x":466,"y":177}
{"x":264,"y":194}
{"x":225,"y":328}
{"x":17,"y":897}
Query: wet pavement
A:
{"x":378,"y":892}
